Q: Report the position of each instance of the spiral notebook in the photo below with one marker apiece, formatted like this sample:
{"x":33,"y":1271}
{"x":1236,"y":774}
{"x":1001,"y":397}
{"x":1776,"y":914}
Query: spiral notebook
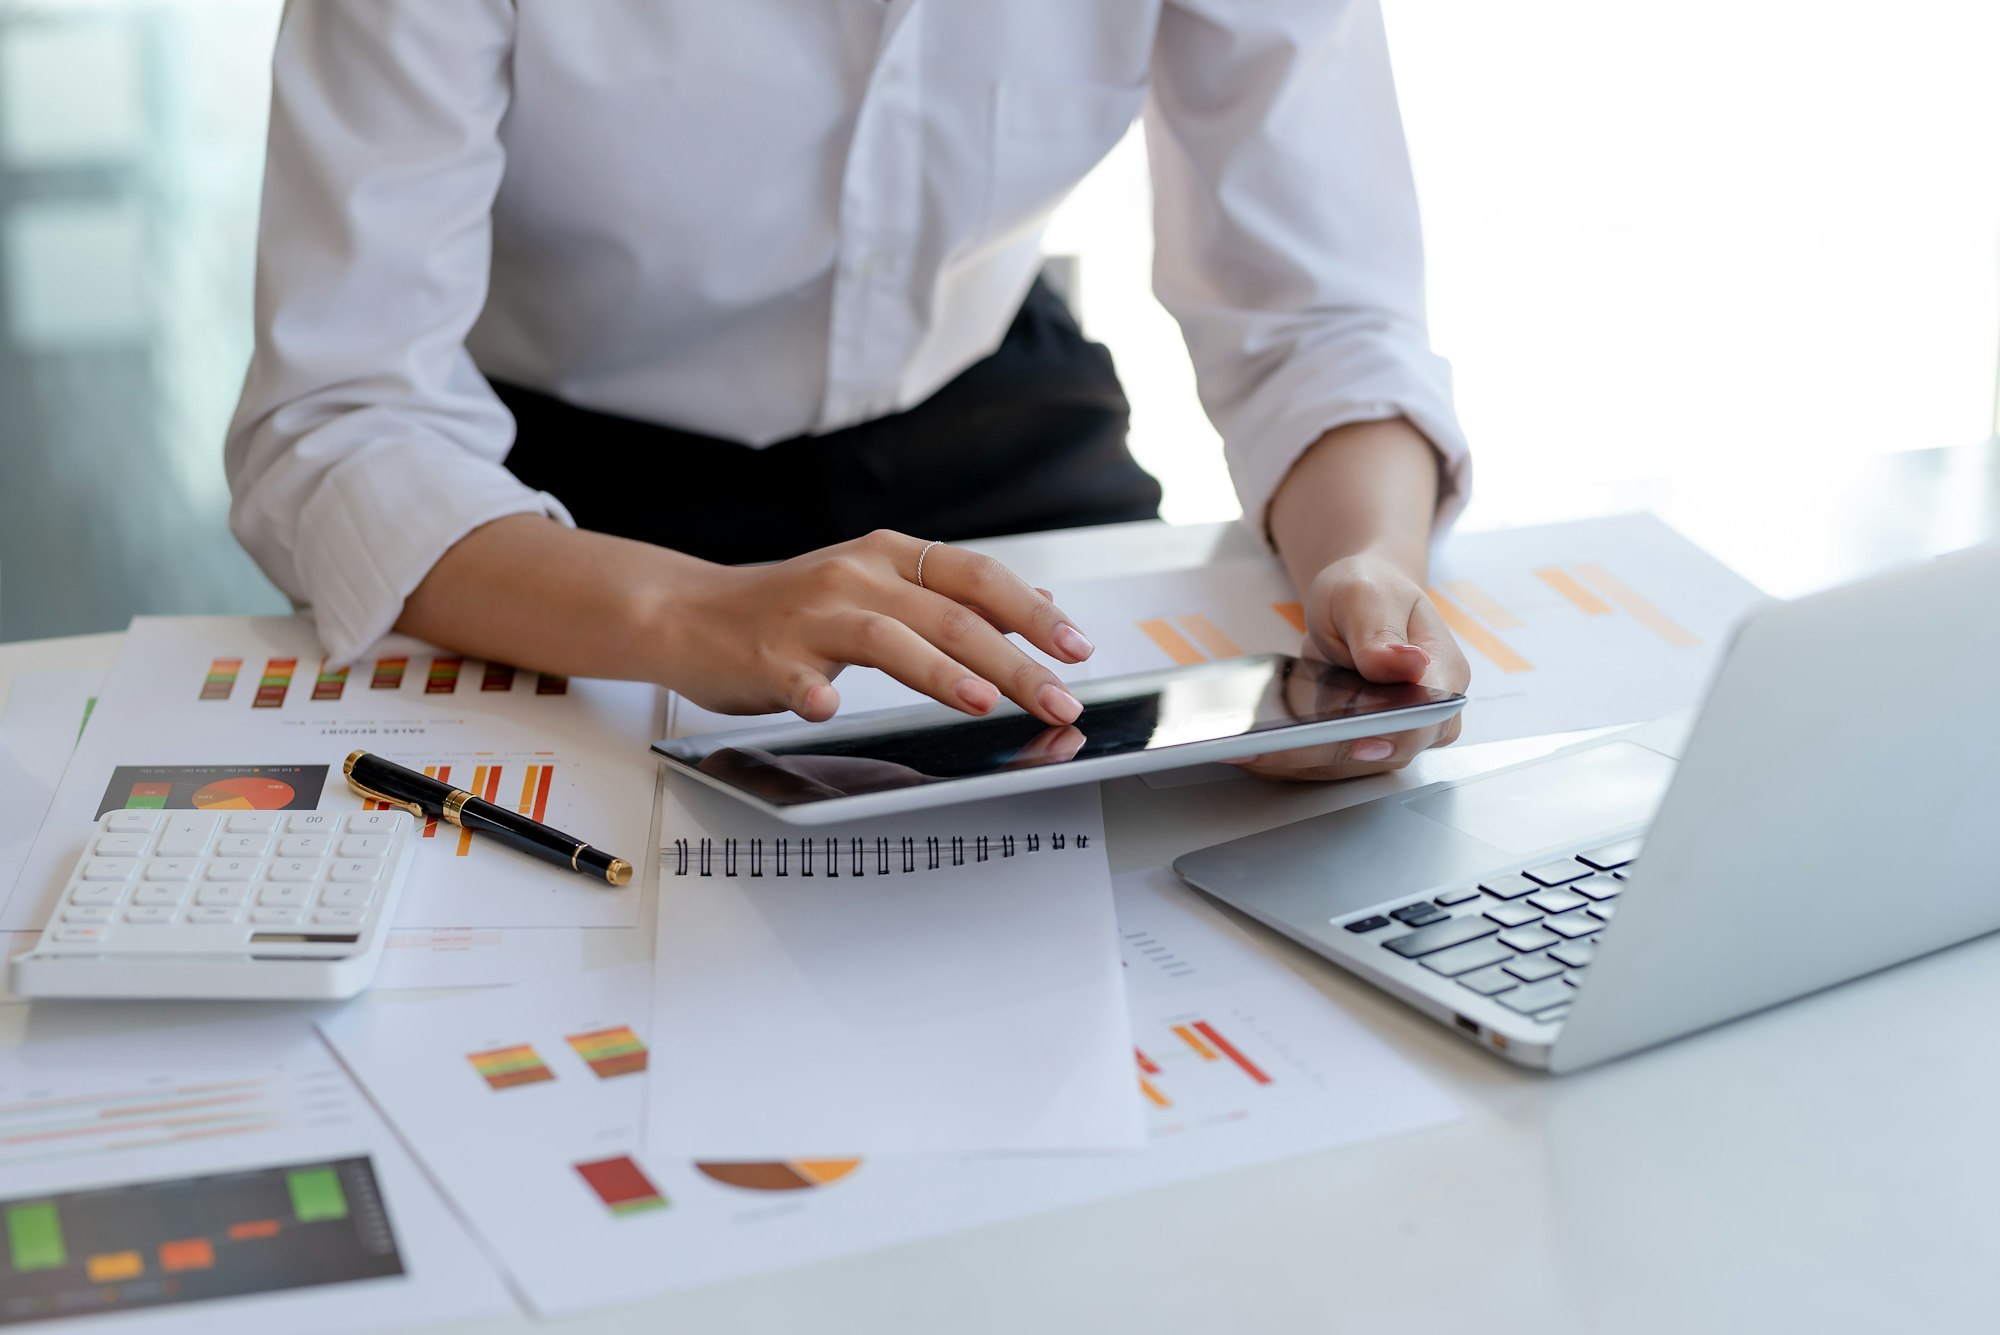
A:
{"x":942,"y":983}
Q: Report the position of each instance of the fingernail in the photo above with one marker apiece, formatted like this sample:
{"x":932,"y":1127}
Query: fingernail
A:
{"x":976,"y":695}
{"x":1374,"y":748}
{"x":1416,"y":649}
{"x":1070,"y":640}
{"x":1062,"y":706}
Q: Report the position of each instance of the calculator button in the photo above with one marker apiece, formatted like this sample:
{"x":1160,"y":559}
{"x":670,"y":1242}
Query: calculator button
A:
{"x":153,"y":916}
{"x":120,"y":845}
{"x":169,"y":869}
{"x":339,"y":917}
{"x":284,"y":896}
{"x":153,"y":896}
{"x":294,"y":870}
{"x":187,"y":835}
{"x":364,"y":846}
{"x":312,"y":822}
{"x":86,"y":915}
{"x":355,"y":869}
{"x":231,"y":869}
{"x":372,"y":822}
{"x":304,"y":845}
{"x":109,"y":869}
{"x":80,"y":935}
{"x":276,"y":916}
{"x":100,"y":893}
{"x":132,"y":822}
{"x":252,"y":822}
{"x":346,"y":896}
{"x":243,"y":845}
{"x":223,"y":896}
{"x":211,"y":914}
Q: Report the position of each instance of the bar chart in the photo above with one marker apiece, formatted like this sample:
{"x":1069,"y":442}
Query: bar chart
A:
{"x":610,"y":1052}
{"x":511,"y":1066}
{"x":439,"y":674}
{"x":260,"y":1230}
{"x":214,"y":788}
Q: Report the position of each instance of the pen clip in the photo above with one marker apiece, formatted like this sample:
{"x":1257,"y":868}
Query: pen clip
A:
{"x":400,"y":804}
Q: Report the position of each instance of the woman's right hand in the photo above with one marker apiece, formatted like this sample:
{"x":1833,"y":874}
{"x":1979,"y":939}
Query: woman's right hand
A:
{"x":757,"y":639}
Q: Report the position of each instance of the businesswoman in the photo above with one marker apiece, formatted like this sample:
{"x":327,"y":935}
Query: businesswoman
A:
{"x":565,"y":312}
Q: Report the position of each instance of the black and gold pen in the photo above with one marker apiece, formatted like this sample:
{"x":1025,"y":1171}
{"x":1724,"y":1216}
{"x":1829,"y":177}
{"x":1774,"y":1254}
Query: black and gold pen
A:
{"x":425,"y":797}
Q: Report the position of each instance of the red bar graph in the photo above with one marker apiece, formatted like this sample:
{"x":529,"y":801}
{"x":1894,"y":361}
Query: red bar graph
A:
{"x":1228,"y":1050}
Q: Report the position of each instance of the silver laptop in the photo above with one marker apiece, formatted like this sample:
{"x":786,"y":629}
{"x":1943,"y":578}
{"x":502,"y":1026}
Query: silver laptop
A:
{"x":1831,"y":812}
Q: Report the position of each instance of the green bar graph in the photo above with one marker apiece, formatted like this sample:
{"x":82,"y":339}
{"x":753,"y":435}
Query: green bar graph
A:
{"x":316,"y":1195}
{"x":35,"y":1237}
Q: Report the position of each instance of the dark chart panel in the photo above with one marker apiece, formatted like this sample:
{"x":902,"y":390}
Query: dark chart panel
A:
{"x":109,"y":1249}
{"x":214,"y":788}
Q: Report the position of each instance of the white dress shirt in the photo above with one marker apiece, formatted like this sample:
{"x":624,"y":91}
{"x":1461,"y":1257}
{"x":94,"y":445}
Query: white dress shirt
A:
{"x":763,"y":218}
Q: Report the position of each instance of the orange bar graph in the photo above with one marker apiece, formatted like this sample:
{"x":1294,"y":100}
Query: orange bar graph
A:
{"x":1477,"y":602}
{"x":108,"y":1267}
{"x":1582,"y":599}
{"x":253,"y":1228}
{"x":1210,"y":637}
{"x":1174,"y":644}
{"x":1294,"y":613}
{"x":187,"y":1254}
{"x":542,"y":792}
{"x":442,"y":773}
{"x":1193,"y":1040}
{"x":1647,"y":615}
{"x":1153,"y":1095}
{"x":1476,"y":637}
{"x":478,"y":789}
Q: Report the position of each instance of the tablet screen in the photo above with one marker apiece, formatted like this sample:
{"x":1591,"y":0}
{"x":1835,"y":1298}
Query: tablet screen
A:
{"x":1144,"y":712}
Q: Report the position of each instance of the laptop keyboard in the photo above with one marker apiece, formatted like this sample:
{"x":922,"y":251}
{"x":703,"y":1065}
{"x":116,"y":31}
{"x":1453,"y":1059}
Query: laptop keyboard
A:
{"x":1524,"y":939}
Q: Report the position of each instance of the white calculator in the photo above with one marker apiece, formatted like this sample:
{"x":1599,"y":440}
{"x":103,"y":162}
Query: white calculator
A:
{"x":224,"y":904}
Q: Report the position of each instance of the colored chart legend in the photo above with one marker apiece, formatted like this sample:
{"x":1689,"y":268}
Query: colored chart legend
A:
{"x":388,"y":675}
{"x":498,"y":677}
{"x":443,"y":676}
{"x":262,"y":1230}
{"x":271,"y":687}
{"x":332,"y":681}
{"x":610,"y":1052}
{"x":221,"y":679}
{"x":505,"y":1068}
{"x":622,"y":1185}
{"x":786,"y":1175}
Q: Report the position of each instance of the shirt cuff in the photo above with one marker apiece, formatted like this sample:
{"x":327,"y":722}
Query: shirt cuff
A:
{"x":380,"y":520}
{"x":1309,"y":397}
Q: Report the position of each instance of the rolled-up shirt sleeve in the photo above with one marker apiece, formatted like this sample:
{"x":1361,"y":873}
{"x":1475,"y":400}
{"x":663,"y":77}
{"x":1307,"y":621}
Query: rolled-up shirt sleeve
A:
{"x":366,"y":442}
{"x":1286,"y":233}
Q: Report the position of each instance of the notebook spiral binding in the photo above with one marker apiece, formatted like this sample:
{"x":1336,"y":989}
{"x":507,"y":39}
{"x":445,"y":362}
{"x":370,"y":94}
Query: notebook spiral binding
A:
{"x":806,"y":856}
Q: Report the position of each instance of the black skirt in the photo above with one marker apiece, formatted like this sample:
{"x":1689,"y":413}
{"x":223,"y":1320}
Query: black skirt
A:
{"x":1029,"y":438}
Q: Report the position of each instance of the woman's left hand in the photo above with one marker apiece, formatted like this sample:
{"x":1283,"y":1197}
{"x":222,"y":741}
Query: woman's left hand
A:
{"x":1366,"y":613}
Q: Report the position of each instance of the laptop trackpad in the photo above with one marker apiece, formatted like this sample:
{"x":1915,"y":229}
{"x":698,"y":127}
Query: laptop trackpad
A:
{"x":1561,"y":801}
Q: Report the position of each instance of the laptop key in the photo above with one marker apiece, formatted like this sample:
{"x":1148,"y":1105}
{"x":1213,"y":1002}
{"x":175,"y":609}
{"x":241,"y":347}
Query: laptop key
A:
{"x":1441,"y":935}
{"x":1604,"y":911}
{"x":1557,"y":873}
{"x":1557,"y":901}
{"x":1458,"y":896}
{"x":1551,"y":1015}
{"x":1573,"y":925}
{"x":1513,"y":915}
{"x":1533,"y":968}
{"x":1536,"y":997}
{"x":1486,"y":982}
{"x":1419,"y":915}
{"x":1576,"y":954}
{"x":1530,"y":938}
{"x":1510,"y":887}
{"x":1613,"y":856}
{"x":1597,"y":887}
{"x":1464,"y":959}
{"x":1368,"y":924}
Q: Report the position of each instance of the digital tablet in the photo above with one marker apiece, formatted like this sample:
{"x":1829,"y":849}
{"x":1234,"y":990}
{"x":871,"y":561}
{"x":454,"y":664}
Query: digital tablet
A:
{"x":899,"y":760}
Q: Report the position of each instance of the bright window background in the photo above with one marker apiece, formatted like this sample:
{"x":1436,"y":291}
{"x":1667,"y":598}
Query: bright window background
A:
{"x":1723,"y":234}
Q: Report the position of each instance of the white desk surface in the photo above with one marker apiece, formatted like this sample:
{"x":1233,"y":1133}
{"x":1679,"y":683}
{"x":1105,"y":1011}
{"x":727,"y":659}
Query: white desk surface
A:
{"x":1833,"y":1165}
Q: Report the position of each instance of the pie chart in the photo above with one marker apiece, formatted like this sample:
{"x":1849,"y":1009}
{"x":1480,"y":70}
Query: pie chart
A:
{"x":244,"y":793}
{"x":794,"y":1175}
